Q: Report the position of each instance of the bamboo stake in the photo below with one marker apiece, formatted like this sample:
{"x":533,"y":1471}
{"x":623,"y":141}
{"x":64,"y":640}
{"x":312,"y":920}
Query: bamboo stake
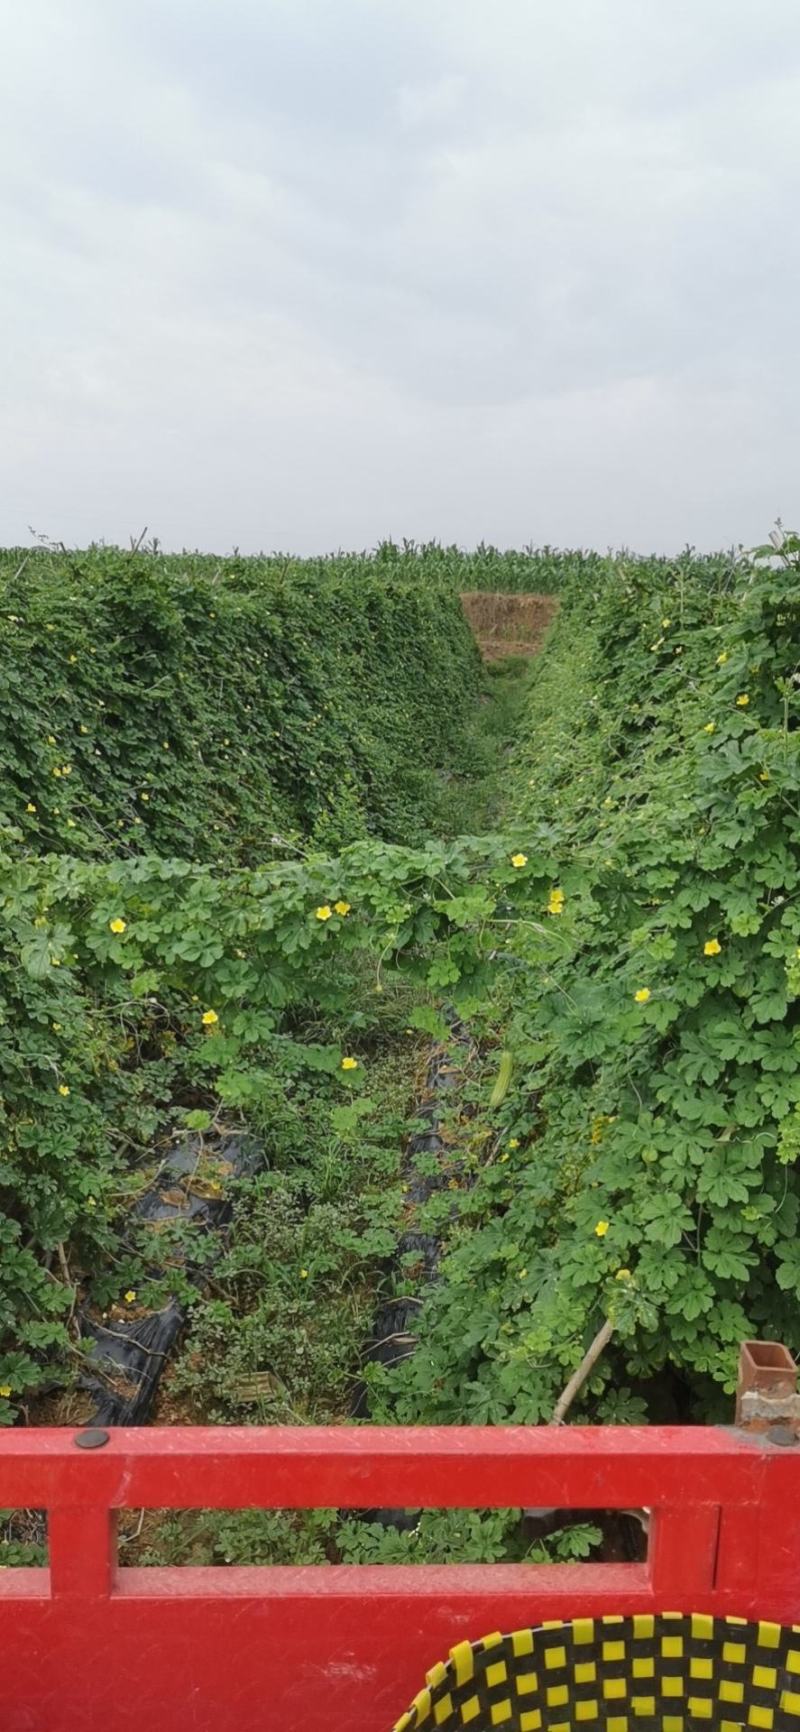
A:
{"x":579,"y":1377}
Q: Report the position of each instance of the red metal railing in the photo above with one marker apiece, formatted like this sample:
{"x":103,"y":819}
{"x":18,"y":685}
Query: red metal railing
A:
{"x":87,"y":1645}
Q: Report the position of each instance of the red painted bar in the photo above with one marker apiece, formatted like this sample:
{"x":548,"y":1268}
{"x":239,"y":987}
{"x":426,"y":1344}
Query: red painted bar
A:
{"x":93,"y":1648}
{"x":328,"y":1467}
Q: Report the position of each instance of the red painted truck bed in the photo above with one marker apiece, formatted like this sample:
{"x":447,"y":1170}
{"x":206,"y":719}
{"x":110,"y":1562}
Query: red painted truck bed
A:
{"x":90,"y":1647}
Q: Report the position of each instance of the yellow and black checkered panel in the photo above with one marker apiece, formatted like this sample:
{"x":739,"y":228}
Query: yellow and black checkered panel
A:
{"x":671,"y":1672}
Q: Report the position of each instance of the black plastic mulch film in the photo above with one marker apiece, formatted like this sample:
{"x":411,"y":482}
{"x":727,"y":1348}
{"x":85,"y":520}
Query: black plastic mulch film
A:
{"x":128,"y":1357}
{"x":667,"y":1672}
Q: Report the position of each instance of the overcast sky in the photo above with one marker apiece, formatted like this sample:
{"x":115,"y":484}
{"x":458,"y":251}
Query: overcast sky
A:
{"x":303,"y":274}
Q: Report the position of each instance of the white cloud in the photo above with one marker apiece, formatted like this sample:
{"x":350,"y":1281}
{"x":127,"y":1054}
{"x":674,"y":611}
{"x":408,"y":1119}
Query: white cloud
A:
{"x":304,"y":275}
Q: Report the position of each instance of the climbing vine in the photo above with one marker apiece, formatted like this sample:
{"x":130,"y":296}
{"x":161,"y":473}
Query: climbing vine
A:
{"x":626,"y":950}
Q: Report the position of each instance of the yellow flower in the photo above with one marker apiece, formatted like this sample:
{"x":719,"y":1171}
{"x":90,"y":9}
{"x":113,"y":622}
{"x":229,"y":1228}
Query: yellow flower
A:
{"x":144,"y":797}
{"x":349,"y":1064}
{"x":763,"y":775}
{"x":51,"y":739}
{"x":342,"y":908}
{"x":643,"y":995}
{"x":30,"y":807}
{"x":622,"y":1275}
{"x":513,"y":1142}
{"x":743,"y":700}
{"x":323,"y":912}
{"x":130,"y":1296}
{"x":70,"y":823}
{"x":209,"y":1018}
{"x":504,"y":1157}
{"x":709,"y":728}
{"x":66,"y":769}
{"x":117,"y":925}
{"x":556,"y":902}
{"x":712,"y":947}
{"x":56,"y":771}
{"x":519,"y":860}
{"x":83,"y":728}
{"x":601,"y":1229}
{"x":91,"y":1202}
{"x":72,"y":658}
{"x":5,"y":1390}
{"x":721,"y":659}
{"x":63,"y":1089}
{"x":56,"y":1027}
{"x":665,"y":623}
{"x":303,"y":1274}
{"x":522,"y":1273}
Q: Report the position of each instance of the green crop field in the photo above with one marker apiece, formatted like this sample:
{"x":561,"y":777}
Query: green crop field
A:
{"x":271,"y":834}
